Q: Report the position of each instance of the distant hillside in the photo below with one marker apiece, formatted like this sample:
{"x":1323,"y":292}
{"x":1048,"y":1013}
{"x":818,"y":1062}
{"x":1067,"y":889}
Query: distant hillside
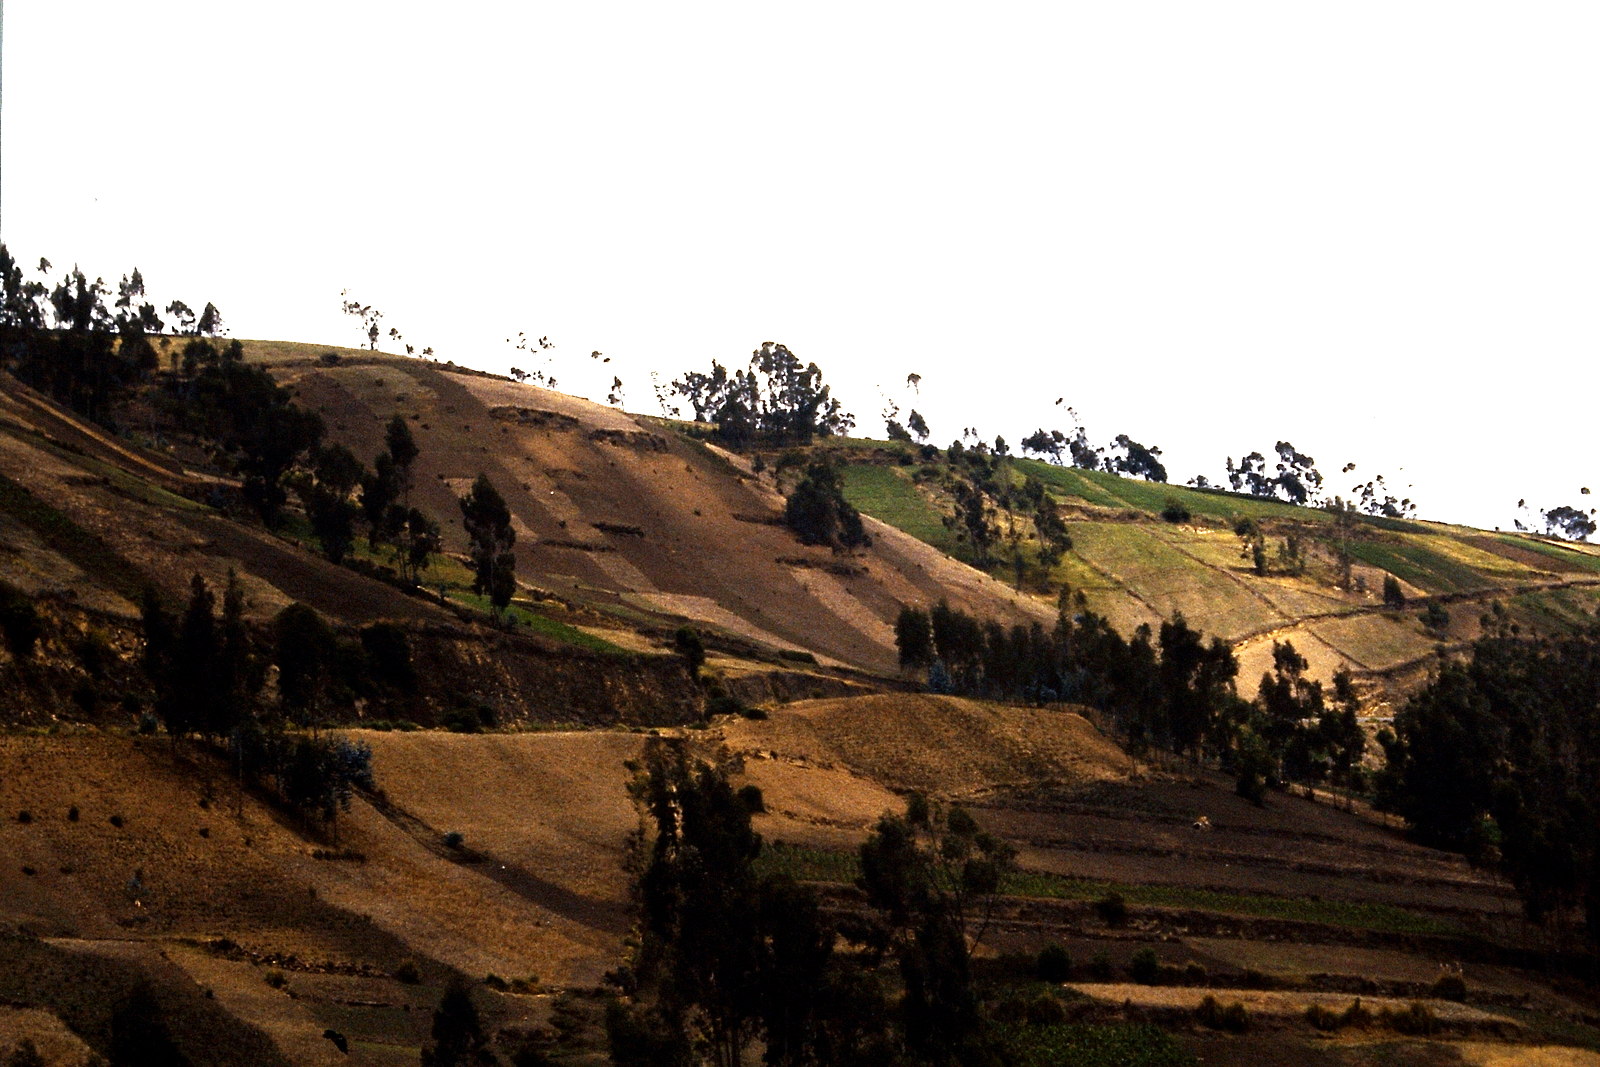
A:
{"x":621,"y":513}
{"x":626,"y":530}
{"x":629,"y":527}
{"x":1135,"y":566}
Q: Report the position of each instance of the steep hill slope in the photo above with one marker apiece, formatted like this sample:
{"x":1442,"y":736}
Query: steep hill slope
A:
{"x":629,"y":528}
{"x":622,"y":513}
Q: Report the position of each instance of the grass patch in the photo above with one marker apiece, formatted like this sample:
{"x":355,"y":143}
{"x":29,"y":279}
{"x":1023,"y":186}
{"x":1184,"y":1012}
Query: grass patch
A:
{"x":1113,"y":490}
{"x":1555,"y":610}
{"x":528,"y":619}
{"x":821,"y":865}
{"x":296,"y":351}
{"x":1419,"y":565}
{"x":1568,"y":557}
{"x":80,"y":547}
{"x":129,"y":485}
{"x":1376,"y":641}
{"x":1487,"y":563}
{"x":1091,"y":1045}
{"x":886,"y":493}
{"x":1140,"y":557}
{"x":1071,"y":482}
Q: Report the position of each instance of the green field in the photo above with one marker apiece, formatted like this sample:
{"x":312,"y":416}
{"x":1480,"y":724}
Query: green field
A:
{"x":1560,"y":554}
{"x":1169,"y":580}
{"x":886,"y":493}
{"x":1420,"y":565}
{"x":820,"y":865}
{"x":1094,"y":1045}
{"x":1558,"y":610}
{"x":1112,"y":490}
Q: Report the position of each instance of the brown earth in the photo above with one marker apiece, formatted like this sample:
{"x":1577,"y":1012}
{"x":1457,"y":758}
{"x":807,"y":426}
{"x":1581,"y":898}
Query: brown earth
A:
{"x":230,"y":892}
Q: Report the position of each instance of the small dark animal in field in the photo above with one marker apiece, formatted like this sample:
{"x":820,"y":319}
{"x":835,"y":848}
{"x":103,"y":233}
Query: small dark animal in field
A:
{"x":338,"y":1040}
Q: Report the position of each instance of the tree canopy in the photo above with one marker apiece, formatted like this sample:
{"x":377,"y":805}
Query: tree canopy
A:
{"x":491,"y":539}
{"x":775,"y":400}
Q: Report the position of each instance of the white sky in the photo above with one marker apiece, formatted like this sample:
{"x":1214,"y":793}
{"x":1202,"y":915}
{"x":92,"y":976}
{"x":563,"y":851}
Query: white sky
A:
{"x":1370,"y":228}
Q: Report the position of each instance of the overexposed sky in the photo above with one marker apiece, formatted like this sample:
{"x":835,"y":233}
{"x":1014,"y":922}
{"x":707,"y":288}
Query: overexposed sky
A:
{"x":1372,"y":229}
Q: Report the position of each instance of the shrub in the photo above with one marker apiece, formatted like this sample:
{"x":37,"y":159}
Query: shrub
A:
{"x":1450,"y":986}
{"x":1194,"y":973}
{"x":116,"y":820}
{"x":1053,"y":964}
{"x":1112,"y":909}
{"x":463,"y":721}
{"x":750,"y":796}
{"x":1175,"y":511}
{"x":72,"y":813}
{"x":1145,"y":967}
{"x":795,"y":655}
{"x":1416,"y":1021}
{"x":1100,"y":967}
{"x":85,"y":696}
{"x":1232,"y":1018}
{"x":1045,"y":1010}
{"x":19,"y":621}
{"x":1323,"y":1018}
{"x":721,"y":703}
{"x":408,"y":972}
{"x":388,"y":656}
{"x":95,"y":653}
{"x":1355,"y":1014}
{"x":24,"y":816}
{"x":454,"y":839}
{"x":276,"y":979}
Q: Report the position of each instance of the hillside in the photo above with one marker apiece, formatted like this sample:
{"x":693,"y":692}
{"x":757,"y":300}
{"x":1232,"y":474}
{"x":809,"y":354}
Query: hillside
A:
{"x":629,"y":528}
{"x":1135,"y":566}
{"x":626,"y":531}
{"x":504,"y":857}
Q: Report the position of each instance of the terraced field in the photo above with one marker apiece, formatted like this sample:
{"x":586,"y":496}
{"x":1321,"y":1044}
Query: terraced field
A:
{"x":1134,"y":567}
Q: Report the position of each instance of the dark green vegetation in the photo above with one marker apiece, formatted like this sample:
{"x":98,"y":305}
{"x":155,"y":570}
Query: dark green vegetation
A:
{"x":818,"y":513}
{"x":843,"y":868}
{"x":1170,"y":690}
{"x":775,"y":401}
{"x":1126,"y":1045}
{"x":488,"y":524}
{"x":727,"y":955}
{"x":1497,"y":756}
{"x":734,"y":952}
{"x":207,"y":676}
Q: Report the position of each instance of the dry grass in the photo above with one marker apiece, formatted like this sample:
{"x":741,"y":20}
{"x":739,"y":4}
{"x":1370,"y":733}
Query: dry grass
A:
{"x":1280,"y":1004}
{"x":944,"y":746}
